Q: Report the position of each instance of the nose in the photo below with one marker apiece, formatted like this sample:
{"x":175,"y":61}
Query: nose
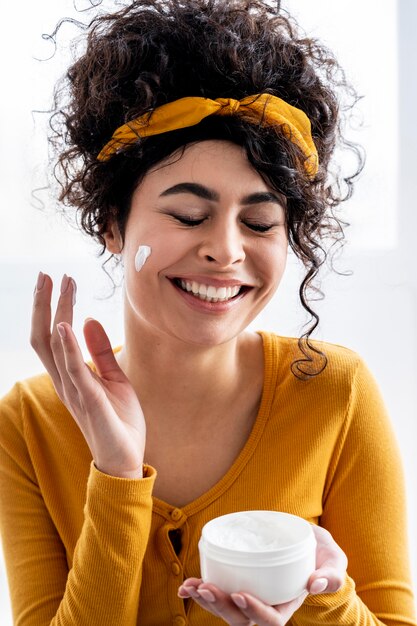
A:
{"x":223,"y":244}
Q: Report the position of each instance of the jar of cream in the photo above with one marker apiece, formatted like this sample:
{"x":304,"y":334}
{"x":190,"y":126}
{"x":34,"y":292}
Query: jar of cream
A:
{"x":268,"y":554}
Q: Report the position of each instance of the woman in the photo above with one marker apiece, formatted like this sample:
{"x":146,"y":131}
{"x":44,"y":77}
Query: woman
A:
{"x":196,"y":146}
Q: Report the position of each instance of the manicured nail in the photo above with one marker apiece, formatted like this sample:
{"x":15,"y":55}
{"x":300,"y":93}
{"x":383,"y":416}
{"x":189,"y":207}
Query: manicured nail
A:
{"x":319,"y":585}
{"x":191,"y":591}
{"x":39,"y":282}
{"x":239,"y":600}
{"x":61,"y":330}
{"x":207,"y":595}
{"x":64,"y":284}
{"x":74,"y":291}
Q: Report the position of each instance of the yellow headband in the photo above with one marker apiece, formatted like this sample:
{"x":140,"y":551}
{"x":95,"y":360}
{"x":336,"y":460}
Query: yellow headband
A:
{"x":190,"y":111}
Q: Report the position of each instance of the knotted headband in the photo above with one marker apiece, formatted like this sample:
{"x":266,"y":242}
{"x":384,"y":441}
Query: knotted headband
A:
{"x":191,"y":110}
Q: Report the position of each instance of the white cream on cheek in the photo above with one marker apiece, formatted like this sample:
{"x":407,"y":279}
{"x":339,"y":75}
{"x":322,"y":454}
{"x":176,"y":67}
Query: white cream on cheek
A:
{"x":142,"y":255}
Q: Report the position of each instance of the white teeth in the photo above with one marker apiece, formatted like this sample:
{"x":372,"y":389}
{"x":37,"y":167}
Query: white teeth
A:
{"x":209,"y":292}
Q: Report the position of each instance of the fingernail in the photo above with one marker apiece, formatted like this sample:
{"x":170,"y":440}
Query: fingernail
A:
{"x":239,"y":601}
{"x":40,"y":282}
{"x":192,"y":591}
{"x":64,"y":284}
{"x":319,"y":585}
{"x":61,"y":330}
{"x":207,"y":595}
{"x":74,"y":291}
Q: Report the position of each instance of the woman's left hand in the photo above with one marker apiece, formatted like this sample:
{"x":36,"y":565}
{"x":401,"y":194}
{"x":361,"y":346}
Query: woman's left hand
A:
{"x":242,"y":609}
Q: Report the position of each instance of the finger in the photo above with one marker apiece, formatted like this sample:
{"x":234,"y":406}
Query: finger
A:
{"x":101,"y":351}
{"x":221,"y":604}
{"x":64,"y":309}
{"x":40,"y":332}
{"x":190,"y":591}
{"x":212,"y":599}
{"x":326,"y":580}
{"x":82,"y":378}
{"x":64,"y":313}
{"x":194,"y":582}
{"x":263,"y":614}
{"x":187,"y":591}
{"x":331,"y":564}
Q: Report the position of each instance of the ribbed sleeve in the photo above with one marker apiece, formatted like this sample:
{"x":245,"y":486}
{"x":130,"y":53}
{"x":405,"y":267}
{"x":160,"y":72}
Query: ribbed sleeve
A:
{"x":104,"y":581}
{"x":347,"y":608}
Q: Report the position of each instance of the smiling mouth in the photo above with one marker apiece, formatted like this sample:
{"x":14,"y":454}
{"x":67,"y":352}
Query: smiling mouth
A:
{"x":209,"y":293}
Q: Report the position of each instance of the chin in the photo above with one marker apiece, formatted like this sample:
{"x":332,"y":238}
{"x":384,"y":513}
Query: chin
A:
{"x":208,"y":338}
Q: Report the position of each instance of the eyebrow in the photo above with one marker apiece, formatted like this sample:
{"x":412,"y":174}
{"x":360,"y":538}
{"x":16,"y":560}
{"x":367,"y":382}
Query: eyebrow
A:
{"x":209,"y":194}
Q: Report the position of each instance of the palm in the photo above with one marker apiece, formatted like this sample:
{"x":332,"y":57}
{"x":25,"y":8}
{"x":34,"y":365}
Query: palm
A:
{"x":127,"y":425}
{"x":110,"y":415}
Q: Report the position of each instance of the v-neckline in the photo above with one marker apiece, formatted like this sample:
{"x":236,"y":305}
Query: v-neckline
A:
{"x":270,"y":361}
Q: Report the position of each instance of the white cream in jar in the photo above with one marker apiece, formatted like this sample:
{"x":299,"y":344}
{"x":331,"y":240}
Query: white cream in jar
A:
{"x":266,"y":553}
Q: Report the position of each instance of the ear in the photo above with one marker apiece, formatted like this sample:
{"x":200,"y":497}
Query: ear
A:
{"x":113,"y":239}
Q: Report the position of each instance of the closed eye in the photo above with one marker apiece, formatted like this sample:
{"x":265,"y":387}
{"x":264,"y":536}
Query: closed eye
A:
{"x":260,"y":228}
{"x":188,"y":221}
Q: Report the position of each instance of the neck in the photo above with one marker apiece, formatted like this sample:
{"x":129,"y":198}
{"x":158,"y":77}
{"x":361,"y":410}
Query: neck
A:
{"x":175,"y":380}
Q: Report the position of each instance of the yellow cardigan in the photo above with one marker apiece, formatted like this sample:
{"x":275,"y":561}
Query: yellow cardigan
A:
{"x":87,"y":549}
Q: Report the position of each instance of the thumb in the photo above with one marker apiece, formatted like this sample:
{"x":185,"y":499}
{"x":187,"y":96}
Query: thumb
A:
{"x":99,"y":347}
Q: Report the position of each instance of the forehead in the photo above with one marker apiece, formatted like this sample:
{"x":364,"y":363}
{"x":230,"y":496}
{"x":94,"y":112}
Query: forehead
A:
{"x":216,"y":163}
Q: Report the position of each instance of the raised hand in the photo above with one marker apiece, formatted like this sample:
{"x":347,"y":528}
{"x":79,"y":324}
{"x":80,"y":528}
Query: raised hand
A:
{"x":243,"y":609}
{"x":103,"y":403}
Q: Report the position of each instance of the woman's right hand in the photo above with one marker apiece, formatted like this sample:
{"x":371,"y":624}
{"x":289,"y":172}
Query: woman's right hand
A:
{"x":104,"y":404}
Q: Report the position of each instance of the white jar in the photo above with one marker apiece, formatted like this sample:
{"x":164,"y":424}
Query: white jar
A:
{"x":268,"y":554}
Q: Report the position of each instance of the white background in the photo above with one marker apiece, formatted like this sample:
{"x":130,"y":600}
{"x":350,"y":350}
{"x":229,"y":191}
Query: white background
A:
{"x":373,"y":311}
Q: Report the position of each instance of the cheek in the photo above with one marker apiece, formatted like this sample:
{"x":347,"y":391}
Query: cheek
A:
{"x":146,"y":262}
{"x":272,"y":260}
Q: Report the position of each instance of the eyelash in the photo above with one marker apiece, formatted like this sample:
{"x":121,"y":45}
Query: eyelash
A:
{"x":260,"y":228}
{"x":188,"y":222}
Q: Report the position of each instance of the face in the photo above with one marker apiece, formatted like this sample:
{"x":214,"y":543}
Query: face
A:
{"x":219,"y":245}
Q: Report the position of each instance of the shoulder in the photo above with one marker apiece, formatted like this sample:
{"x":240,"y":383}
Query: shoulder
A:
{"x":345,"y":379}
{"x":344,"y":397}
{"x":29,"y":391}
{"x":24,"y":404}
{"x":28,"y":400}
{"x":341,"y":361}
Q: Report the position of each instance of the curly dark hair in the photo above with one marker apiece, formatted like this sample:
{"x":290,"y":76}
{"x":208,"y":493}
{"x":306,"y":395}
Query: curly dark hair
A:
{"x":155,"y":51}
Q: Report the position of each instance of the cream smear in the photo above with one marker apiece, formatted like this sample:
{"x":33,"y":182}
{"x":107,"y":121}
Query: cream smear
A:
{"x":141,"y":256}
